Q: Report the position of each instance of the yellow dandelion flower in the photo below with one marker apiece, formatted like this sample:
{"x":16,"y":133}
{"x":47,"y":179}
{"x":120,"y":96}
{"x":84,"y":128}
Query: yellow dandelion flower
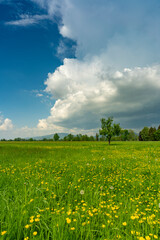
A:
{"x":68,"y":220}
{"x":73,"y":228}
{"x":27,"y":226}
{"x":4,"y":232}
{"x":26,"y":238}
{"x":141,"y":238}
{"x":140,"y":221}
{"x":148,"y":238}
{"x":119,"y":236}
{"x":34,"y":233}
{"x":37,"y":219}
{"x":124,"y":224}
{"x":69,"y":212}
{"x":32,"y":220}
{"x":103,"y":225}
{"x":155,"y":236}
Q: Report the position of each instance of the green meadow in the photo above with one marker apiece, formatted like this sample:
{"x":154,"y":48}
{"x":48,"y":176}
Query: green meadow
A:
{"x":79,"y":190}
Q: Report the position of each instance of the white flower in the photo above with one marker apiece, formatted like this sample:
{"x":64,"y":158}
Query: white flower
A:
{"x":111,"y":187}
{"x":82,"y":192}
{"x":159,"y":205}
{"x":103,"y":158}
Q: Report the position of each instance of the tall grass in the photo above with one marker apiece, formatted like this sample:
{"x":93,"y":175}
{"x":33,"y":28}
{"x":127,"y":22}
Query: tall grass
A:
{"x":79,"y":190}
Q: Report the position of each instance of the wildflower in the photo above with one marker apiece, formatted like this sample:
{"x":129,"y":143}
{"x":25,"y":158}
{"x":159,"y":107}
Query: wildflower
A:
{"x":34,"y":233}
{"x":124,"y":224}
{"x":103,"y":226}
{"x":82,"y":192}
{"x":140,"y":221}
{"x":26,"y":238}
{"x":111,"y":187}
{"x":69,"y":212}
{"x":148,"y":238}
{"x":155,"y":236}
{"x":68,"y":220}
{"x":73,"y":228}
{"x":141,"y":238}
{"x":27,"y":226}
{"x":119,"y":236}
{"x":37,"y":219}
{"x":4,"y":232}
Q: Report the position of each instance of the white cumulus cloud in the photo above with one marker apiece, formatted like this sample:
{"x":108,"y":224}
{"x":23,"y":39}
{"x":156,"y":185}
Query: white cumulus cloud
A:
{"x":86,"y":91}
{"x":117,"y":66}
{"x":6,"y":124}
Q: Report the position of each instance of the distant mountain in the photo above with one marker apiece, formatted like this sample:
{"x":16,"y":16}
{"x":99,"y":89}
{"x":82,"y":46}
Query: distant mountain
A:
{"x":50,"y":136}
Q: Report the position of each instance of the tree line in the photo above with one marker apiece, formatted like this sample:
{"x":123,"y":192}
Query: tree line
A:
{"x":149,"y":134}
{"x":109,"y":131}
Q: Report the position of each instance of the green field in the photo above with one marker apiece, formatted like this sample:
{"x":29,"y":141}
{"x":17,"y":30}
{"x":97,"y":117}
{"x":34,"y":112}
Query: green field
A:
{"x":79,"y":190}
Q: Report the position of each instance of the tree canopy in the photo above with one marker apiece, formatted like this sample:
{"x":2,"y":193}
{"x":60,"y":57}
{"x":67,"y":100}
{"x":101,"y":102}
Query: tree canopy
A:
{"x":109,"y":129}
{"x":56,"y":137}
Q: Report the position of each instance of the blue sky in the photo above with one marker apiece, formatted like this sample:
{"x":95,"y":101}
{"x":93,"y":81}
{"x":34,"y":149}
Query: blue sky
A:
{"x":65,"y":64}
{"x":27,"y":55}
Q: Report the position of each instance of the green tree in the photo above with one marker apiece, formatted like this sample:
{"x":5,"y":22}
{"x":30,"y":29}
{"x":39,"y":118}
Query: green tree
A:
{"x":56,"y":137}
{"x":132,"y":135}
{"x":108,"y":129}
{"x":91,"y":138}
{"x":124,"y":135}
{"x":151,"y":133}
{"x":157,"y":135}
{"x":30,"y":139}
{"x":70,"y":137}
{"x":144,"y":134}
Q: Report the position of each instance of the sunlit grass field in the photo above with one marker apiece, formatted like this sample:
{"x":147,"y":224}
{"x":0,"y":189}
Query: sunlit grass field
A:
{"x":79,"y":190}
